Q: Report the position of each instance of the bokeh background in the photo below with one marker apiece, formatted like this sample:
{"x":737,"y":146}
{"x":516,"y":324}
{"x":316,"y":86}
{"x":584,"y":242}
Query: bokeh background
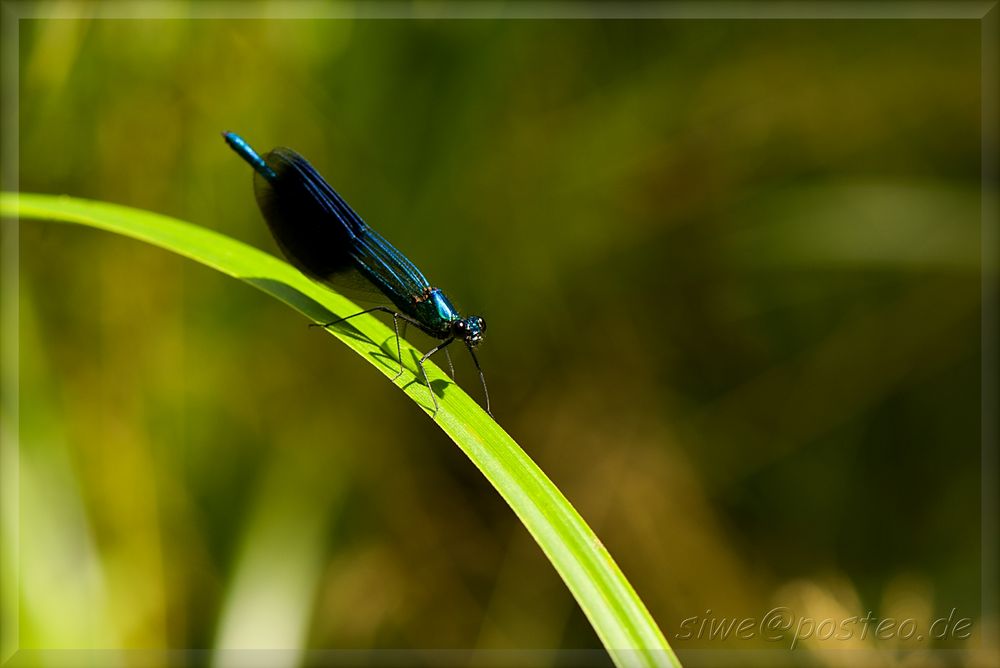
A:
{"x":731,"y":272}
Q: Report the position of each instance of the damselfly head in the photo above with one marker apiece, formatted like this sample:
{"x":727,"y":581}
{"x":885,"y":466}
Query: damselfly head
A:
{"x":470,"y":330}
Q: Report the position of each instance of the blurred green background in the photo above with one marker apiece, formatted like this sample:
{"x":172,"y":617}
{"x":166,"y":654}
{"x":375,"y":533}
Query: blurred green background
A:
{"x":731,"y":272}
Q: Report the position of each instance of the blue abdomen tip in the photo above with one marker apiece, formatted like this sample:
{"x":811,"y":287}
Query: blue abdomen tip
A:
{"x":245,"y":151}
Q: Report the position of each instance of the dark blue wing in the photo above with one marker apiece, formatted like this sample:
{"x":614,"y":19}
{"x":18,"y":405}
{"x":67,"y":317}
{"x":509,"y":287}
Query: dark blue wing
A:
{"x":324,"y":238}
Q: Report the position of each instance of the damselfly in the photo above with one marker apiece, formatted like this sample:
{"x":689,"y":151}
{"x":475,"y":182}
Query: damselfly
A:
{"x":326,"y":240}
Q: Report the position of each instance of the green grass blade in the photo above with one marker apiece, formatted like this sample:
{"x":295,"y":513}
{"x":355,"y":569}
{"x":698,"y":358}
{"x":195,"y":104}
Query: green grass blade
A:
{"x":619,"y":617}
